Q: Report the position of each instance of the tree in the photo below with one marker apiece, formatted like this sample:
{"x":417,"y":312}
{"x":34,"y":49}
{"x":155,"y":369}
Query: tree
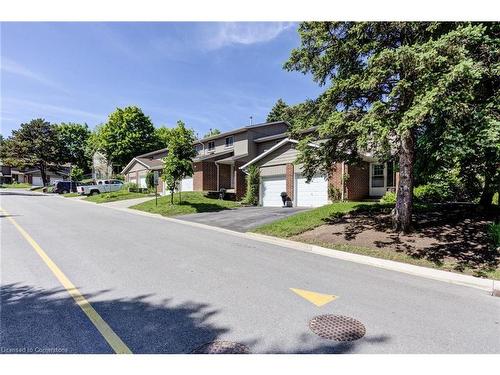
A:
{"x":253,"y":183}
{"x":388,"y":83}
{"x":211,"y":132}
{"x":277,"y":112}
{"x":128,"y":133}
{"x":76,"y":173}
{"x":163,"y":134}
{"x":178,"y":163}
{"x":34,"y":144}
{"x":73,"y":138}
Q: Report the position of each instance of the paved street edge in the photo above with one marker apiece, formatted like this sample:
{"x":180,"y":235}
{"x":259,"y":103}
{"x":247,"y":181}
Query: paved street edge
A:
{"x":489,"y":285}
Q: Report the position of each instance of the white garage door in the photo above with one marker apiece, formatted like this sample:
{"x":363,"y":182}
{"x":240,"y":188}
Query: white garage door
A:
{"x":187,"y":184}
{"x":271,"y":189}
{"x":37,"y":181}
{"x":142,"y":182}
{"x":314,"y":194}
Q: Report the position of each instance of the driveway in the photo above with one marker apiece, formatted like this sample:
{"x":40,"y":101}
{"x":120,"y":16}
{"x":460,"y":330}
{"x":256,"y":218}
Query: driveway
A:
{"x":242,"y":219}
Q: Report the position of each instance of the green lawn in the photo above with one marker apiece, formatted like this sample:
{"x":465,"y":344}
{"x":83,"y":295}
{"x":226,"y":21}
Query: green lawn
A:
{"x":71,"y":195}
{"x":15,"y":186}
{"x":308,"y":220}
{"x":115,"y":196}
{"x":192,"y":202}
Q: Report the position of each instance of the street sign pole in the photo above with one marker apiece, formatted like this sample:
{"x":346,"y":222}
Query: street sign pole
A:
{"x":155,"y":175}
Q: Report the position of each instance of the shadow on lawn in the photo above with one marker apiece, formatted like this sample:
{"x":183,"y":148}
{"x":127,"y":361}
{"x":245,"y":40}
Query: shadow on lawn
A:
{"x":42,"y":320}
{"x":458,"y":232}
{"x":204,"y":207}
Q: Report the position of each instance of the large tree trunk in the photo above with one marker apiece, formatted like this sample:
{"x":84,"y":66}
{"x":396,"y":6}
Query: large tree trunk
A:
{"x":43,"y":175}
{"x":491,"y":185}
{"x":401,"y":215}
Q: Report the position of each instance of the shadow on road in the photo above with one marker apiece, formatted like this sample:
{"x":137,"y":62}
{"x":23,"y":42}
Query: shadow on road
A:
{"x":25,"y":193}
{"x":47,"y":319}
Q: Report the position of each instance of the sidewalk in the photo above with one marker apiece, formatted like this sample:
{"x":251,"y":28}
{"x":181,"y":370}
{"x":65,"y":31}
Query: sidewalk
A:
{"x":126,"y":203}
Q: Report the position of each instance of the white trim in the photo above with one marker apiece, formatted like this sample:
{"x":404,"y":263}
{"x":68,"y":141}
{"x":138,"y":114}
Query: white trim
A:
{"x":130,"y":162}
{"x":275,"y":147}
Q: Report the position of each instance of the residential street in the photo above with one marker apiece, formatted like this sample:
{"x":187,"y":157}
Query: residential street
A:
{"x":165,"y":287}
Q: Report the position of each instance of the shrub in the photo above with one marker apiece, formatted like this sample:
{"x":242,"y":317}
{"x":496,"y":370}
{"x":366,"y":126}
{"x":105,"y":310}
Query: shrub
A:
{"x":132,"y":187}
{"x":120,"y":177}
{"x":150,"y":181}
{"x":434,"y":193}
{"x":253,"y":182}
{"x":388,"y":198}
{"x":494,"y":232}
{"x":334,"y":193}
{"x":496,"y":199}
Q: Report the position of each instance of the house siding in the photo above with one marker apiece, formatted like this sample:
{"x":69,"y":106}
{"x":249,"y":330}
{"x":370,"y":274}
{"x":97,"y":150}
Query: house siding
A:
{"x":284,"y":155}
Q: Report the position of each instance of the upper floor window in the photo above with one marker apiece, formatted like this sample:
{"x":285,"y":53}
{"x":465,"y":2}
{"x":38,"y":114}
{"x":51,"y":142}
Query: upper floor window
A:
{"x":198,"y":148}
{"x":229,"y":141}
{"x":211,"y":146}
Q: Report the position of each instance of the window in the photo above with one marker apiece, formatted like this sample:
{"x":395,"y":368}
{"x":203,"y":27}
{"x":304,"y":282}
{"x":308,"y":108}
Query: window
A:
{"x":229,"y":142}
{"x":198,"y":148}
{"x":211,"y":146}
{"x":377,"y":175}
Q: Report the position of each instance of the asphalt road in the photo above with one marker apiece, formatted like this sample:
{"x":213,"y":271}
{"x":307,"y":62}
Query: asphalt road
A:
{"x":165,"y":287}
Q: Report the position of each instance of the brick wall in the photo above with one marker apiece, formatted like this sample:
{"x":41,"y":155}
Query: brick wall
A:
{"x":335,"y":179}
{"x":209,"y":176}
{"x":290,"y":180}
{"x":240,"y":181}
{"x":224,"y":176}
{"x":198,"y":176}
{"x":357,"y":185}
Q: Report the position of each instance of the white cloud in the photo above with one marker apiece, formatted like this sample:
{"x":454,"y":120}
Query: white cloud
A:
{"x":12,"y":67}
{"x":49,"y":109}
{"x":246,"y":33}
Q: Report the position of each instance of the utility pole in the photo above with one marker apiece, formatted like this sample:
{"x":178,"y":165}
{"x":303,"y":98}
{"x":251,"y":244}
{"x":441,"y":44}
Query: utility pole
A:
{"x":251,"y":120}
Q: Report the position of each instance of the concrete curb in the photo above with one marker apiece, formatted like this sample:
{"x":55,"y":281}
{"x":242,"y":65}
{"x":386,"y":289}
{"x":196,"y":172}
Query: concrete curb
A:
{"x":490,"y":285}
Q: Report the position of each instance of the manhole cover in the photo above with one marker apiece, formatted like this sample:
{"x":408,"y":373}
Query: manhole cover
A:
{"x":337,"y":327}
{"x":222,"y":347}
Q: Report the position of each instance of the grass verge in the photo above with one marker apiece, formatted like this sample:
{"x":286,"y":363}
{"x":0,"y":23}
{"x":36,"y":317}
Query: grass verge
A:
{"x":192,"y":203}
{"x":15,"y":186}
{"x":405,"y":258}
{"x":115,"y":196}
{"x":71,"y":195}
{"x":304,"y":221}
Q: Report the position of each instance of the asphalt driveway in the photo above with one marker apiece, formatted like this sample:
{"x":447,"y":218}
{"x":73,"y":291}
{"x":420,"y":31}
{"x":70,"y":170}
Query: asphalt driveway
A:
{"x":242,"y":219}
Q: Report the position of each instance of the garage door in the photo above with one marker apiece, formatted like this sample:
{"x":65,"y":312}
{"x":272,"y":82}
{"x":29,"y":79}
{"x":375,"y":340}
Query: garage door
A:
{"x":37,"y":181}
{"x":187,"y":184}
{"x":142,"y":182}
{"x":271,"y":189}
{"x":314,"y":194}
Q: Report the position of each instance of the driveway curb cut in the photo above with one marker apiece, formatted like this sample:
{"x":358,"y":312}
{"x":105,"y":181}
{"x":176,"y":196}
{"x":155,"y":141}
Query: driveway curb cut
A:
{"x":489,"y":285}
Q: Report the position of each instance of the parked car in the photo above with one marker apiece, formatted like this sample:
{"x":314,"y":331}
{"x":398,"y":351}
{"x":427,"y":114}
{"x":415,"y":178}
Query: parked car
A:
{"x":63,"y":187}
{"x":102,"y":186}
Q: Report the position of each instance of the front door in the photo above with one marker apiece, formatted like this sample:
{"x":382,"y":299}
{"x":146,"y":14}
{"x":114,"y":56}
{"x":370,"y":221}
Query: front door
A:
{"x":382,"y":178}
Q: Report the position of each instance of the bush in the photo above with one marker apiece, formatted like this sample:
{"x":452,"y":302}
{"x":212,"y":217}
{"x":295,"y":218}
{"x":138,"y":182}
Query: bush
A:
{"x":253,"y":182}
{"x":120,"y":177}
{"x":496,"y":199}
{"x":131,"y":187}
{"x":388,"y":198}
{"x":494,"y":232}
{"x":434,"y":193}
{"x":76,"y":174}
{"x":150,"y":181}
{"x":334,"y":193}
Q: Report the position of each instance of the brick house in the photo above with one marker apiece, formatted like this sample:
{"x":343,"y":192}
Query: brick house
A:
{"x":279,"y":173}
{"x":137,"y":169}
{"x":222,"y":160}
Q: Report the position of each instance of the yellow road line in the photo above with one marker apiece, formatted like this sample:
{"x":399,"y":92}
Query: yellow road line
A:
{"x":106,"y":331}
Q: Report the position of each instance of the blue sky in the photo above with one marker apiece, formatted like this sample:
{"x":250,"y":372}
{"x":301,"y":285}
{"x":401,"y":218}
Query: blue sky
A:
{"x":210,"y":75}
